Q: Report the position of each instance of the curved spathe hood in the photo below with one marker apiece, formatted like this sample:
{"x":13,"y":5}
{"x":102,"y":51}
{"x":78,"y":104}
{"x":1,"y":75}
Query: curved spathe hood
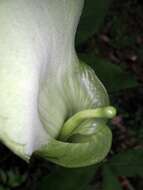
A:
{"x":42,"y":83}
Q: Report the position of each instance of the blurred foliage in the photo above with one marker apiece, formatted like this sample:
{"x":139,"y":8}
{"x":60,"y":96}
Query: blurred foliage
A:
{"x":110,"y":182}
{"x":136,"y":124}
{"x":11,"y":179}
{"x":128,"y":163}
{"x":92,"y":18}
{"x":68,"y":179}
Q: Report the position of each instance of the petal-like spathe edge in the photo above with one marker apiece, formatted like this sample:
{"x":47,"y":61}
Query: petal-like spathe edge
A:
{"x":74,"y":155}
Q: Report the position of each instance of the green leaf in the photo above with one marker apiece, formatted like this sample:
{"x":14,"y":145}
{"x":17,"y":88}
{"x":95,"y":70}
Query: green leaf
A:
{"x":12,"y":178}
{"x":110,"y":182}
{"x":128,"y":163}
{"x":4,"y":188}
{"x":92,"y":18}
{"x":68,"y":179}
{"x":114,"y":77}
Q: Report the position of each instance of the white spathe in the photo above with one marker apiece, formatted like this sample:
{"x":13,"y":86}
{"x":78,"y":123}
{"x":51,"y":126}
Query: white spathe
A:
{"x":36,"y":40}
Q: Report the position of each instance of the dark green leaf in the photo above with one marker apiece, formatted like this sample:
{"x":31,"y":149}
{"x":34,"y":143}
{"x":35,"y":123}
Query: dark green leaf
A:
{"x":68,"y":179}
{"x":128,"y":163}
{"x":92,"y":18}
{"x":110,"y":182}
{"x":4,"y":188}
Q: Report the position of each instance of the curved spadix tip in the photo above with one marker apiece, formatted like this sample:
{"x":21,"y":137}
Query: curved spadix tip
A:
{"x":110,"y":112}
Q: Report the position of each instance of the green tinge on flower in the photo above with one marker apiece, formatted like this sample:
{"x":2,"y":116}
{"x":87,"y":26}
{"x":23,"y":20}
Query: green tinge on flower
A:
{"x":51,"y":105}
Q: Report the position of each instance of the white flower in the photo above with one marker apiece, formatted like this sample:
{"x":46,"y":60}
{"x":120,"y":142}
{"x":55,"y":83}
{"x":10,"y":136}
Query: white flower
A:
{"x":42,"y":84}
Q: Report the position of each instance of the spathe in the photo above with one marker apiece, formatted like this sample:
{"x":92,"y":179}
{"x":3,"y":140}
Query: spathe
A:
{"x":41,"y":81}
